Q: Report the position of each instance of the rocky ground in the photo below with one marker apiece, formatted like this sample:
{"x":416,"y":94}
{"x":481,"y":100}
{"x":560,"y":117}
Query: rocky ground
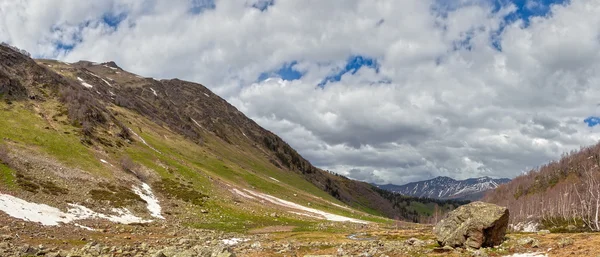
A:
{"x":19,"y":238}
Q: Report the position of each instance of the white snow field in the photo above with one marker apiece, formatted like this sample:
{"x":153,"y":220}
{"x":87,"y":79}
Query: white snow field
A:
{"x":319,"y":214}
{"x":145,"y":192}
{"x":51,"y":216}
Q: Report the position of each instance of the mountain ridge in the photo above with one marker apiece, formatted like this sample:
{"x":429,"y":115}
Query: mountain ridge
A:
{"x":443,"y":187}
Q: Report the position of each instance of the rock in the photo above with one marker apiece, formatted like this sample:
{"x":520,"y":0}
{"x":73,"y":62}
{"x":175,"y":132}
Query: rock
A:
{"x":565,"y":241}
{"x":480,"y":253}
{"x":226,"y":253}
{"x":159,"y":254}
{"x":474,"y":225}
{"x":415,"y":242}
{"x":528,"y":241}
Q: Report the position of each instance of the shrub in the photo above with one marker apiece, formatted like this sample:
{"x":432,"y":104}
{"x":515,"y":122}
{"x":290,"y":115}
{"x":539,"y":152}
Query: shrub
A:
{"x":129,"y":166}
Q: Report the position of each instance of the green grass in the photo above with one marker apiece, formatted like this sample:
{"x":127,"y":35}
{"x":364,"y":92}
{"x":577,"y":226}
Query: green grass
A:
{"x":231,"y":219}
{"x":7,"y":176}
{"x":421,"y":208}
{"x":19,"y":123}
{"x":244,"y":166}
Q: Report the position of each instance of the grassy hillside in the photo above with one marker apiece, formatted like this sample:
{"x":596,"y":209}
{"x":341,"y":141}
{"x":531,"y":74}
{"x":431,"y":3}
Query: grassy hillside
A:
{"x":86,"y":132}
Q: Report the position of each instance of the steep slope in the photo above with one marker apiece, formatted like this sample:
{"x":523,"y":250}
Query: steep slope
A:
{"x":448,"y":188}
{"x":97,"y":144}
{"x":87,"y":138}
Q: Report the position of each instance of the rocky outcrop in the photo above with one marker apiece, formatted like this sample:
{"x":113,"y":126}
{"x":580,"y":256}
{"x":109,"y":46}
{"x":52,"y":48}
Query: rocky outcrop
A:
{"x":474,"y":225}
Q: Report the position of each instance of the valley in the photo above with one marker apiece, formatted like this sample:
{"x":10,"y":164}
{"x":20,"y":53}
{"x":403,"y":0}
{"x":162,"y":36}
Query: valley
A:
{"x":97,"y":161}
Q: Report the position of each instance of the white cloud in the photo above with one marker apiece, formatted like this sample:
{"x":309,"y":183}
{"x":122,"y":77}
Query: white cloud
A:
{"x":455,"y":105}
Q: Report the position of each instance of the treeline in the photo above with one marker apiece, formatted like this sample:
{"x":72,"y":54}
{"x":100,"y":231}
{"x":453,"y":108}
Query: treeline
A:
{"x":419,"y":210}
{"x":563,"y":192}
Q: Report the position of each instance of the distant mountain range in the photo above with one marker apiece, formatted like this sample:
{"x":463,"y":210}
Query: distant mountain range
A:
{"x":448,"y":188}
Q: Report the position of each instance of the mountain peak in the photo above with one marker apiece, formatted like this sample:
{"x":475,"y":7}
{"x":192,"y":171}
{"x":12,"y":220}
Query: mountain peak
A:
{"x":112,"y":64}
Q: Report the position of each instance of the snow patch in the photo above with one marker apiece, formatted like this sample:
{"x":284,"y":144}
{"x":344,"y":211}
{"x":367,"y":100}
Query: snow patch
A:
{"x":144,"y":141}
{"x":112,"y":68}
{"x":51,"y":216}
{"x":105,"y":162}
{"x":235,"y":190}
{"x":307,"y":215}
{"x":343,"y":207}
{"x":206,"y":94}
{"x":100,"y":78}
{"x":84,"y":227}
{"x":145,"y":192}
{"x":197,"y":124}
{"x":272,"y":178}
{"x":83,"y":83}
{"x":530,"y":227}
{"x":234,"y":241}
{"x":284,"y":203}
{"x":154,"y":92}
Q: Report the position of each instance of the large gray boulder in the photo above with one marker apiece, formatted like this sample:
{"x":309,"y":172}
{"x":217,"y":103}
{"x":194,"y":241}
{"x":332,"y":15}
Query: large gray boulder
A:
{"x":474,"y":225}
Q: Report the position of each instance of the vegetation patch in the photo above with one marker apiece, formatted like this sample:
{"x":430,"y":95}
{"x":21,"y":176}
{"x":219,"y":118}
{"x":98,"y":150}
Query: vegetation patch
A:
{"x":564,"y":225}
{"x":7,"y":176}
{"x":48,"y":187}
{"x":184,"y":192}
{"x":118,"y":196}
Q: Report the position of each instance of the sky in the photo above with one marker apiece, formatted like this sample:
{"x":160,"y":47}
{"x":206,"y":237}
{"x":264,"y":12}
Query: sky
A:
{"x":383,"y":91}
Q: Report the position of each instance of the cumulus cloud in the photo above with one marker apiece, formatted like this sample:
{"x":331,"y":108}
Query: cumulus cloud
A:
{"x":382,"y":91}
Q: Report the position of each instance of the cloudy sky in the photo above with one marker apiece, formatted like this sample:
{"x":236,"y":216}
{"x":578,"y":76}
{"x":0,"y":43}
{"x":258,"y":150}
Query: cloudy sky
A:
{"x":379,"y":90}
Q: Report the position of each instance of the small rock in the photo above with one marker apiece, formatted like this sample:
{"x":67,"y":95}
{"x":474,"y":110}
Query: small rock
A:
{"x":565,"y":241}
{"x":480,"y":253}
{"x":528,"y":241}
{"x":159,"y":254}
{"x":415,"y":242}
{"x":226,"y":253}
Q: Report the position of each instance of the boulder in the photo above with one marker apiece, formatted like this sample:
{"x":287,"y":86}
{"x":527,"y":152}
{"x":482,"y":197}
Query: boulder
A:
{"x":474,"y":225}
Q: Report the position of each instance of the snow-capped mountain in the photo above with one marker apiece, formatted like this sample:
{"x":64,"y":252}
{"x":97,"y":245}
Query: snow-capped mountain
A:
{"x":448,"y":188}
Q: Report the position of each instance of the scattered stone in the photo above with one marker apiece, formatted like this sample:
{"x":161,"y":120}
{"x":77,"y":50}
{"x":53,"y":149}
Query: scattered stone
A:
{"x":529,"y":241}
{"x":565,"y":241}
{"x":474,"y":225}
{"x":415,"y":242}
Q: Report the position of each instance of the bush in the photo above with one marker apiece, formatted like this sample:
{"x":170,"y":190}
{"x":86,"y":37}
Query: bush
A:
{"x":129,"y":166}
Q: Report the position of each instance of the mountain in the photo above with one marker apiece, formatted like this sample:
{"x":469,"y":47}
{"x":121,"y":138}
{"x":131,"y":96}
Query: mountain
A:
{"x":89,"y":145}
{"x":448,"y":188}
